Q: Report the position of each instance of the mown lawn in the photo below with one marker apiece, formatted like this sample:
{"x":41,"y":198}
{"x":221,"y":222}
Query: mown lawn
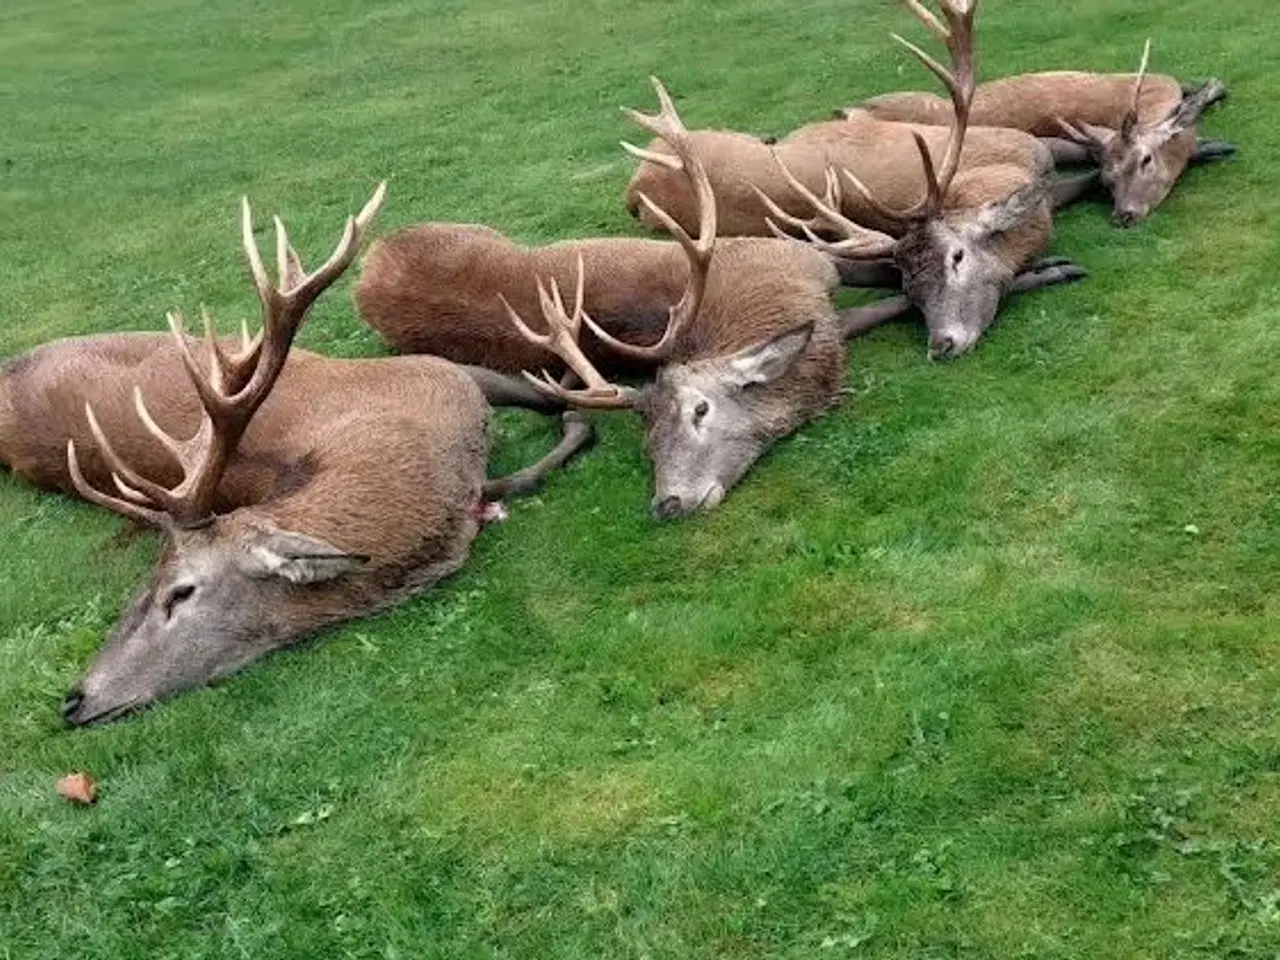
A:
{"x":984,"y":665}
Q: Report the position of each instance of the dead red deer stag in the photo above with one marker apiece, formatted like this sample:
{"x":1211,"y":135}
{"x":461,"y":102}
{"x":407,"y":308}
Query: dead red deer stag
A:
{"x":973,"y":237}
{"x":881,"y":153}
{"x":1140,"y":129}
{"x":305,"y":493}
{"x":740,"y":335}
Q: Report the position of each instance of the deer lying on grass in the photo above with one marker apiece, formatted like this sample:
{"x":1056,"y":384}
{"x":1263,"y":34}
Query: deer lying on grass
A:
{"x":880,"y":153}
{"x":307,"y":493}
{"x":741,"y":333}
{"x":1140,"y":130}
{"x":973,"y":237}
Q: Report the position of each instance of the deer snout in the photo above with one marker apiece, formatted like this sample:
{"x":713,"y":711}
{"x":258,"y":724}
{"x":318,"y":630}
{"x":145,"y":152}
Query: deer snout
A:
{"x":71,"y":704}
{"x":943,"y":347}
{"x":1126,"y":217}
{"x":633,"y":206}
{"x":668,"y":508}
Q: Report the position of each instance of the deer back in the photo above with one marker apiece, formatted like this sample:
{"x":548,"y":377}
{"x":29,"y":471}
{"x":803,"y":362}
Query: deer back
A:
{"x":1033,"y":102}
{"x":882,"y":154}
{"x":434,"y":288}
{"x":370,"y":455}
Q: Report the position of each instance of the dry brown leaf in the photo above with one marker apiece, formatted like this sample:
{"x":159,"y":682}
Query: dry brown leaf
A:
{"x":78,"y":788}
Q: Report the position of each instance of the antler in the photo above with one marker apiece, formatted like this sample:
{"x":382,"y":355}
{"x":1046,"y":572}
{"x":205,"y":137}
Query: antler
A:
{"x":667,"y":125}
{"x":230,"y":392}
{"x":961,"y":82}
{"x":859,"y":243}
{"x":561,"y":339}
{"x":1130,"y":122}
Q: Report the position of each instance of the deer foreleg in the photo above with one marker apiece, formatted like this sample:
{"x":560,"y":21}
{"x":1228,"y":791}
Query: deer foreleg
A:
{"x":856,"y":321}
{"x":868,"y":273}
{"x":1066,"y":153}
{"x":1068,"y":190}
{"x":1047,"y":273}
{"x":577,"y":435}
{"x":1209,"y":150}
{"x":503,"y":391}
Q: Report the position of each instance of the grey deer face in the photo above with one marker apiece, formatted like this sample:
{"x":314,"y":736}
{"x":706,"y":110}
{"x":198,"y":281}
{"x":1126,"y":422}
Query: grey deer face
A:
{"x":216,"y":601}
{"x":956,"y":270}
{"x":708,"y":421}
{"x":1140,"y":164}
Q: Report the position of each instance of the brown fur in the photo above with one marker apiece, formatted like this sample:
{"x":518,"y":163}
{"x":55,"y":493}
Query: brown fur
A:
{"x":434,"y":288}
{"x":382,"y":458}
{"x":882,"y":154}
{"x":1033,"y":102}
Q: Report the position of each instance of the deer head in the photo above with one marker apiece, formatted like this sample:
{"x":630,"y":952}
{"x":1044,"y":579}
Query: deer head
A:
{"x":707,"y":418}
{"x":1140,"y":162}
{"x":952,"y":253}
{"x":216,"y":597}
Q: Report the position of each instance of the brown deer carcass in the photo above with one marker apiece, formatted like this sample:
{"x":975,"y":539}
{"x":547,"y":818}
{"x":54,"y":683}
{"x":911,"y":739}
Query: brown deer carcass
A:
{"x":1140,"y":129}
{"x":741,"y":335}
{"x":973,"y":237}
{"x":308,"y":492}
{"x":741,"y":166}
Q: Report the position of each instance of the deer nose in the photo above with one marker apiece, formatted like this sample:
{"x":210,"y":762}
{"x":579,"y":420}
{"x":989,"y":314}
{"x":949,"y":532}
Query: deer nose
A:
{"x":944,"y":348}
{"x":1125,"y":218}
{"x":71,"y":704}
{"x":668,"y":508}
{"x":633,"y":207}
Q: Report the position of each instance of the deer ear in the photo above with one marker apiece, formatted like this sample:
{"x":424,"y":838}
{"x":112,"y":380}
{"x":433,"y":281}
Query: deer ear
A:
{"x":297,"y":558}
{"x":1187,"y":113}
{"x":765,"y":362}
{"x":1000,"y":216}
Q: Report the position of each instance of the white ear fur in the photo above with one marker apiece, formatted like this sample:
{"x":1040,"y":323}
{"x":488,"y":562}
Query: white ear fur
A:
{"x":765,"y":362}
{"x":297,"y":558}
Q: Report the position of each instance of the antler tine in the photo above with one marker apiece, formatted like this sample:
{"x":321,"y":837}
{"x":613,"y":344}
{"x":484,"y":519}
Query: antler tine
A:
{"x":230,"y":392}
{"x":859,"y":242}
{"x":125,"y":507}
{"x":561,"y":339}
{"x":961,"y":84}
{"x":668,"y":126}
{"x":653,"y":156}
{"x":1131,"y":117}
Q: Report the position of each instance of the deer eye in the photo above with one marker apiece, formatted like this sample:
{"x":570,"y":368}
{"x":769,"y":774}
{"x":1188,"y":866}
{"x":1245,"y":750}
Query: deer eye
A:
{"x":182,"y":592}
{"x":700,"y":410}
{"x":957,"y":257}
{"x":1146,"y":160}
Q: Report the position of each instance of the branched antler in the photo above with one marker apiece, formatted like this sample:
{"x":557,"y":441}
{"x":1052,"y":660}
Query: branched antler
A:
{"x":561,"y":339}
{"x":232,"y":390}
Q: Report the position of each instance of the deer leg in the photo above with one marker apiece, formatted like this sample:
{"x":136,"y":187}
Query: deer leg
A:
{"x":504,"y":391}
{"x":868,"y":273}
{"x":1209,"y":150}
{"x":1068,"y":190}
{"x":856,"y":321}
{"x":1066,"y":153}
{"x":1216,"y":90}
{"x":578,"y":434}
{"x":1047,"y":273}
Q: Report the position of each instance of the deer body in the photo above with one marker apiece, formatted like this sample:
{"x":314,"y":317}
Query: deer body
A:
{"x":1034,"y":102}
{"x":293,"y":490}
{"x":1140,"y":129}
{"x":882,"y":154}
{"x":357,"y":482}
{"x":434,"y":288}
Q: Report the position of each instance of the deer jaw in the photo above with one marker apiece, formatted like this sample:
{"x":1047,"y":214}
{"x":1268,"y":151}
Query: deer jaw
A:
{"x":221,"y":596}
{"x":707,"y":421}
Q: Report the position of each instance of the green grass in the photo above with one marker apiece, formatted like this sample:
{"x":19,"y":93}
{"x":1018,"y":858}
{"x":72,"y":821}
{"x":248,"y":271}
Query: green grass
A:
{"x":983,"y":665}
